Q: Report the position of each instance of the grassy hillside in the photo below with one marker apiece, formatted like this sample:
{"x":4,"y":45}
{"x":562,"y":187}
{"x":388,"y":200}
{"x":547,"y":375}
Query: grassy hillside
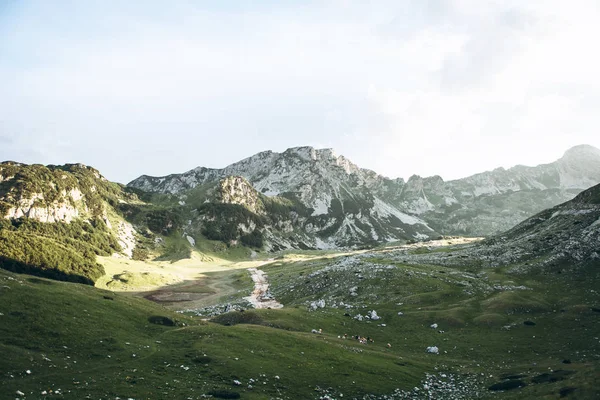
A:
{"x":104,"y":345}
{"x":58,"y":220}
{"x":56,"y":250}
{"x":55,"y":221}
{"x":402,"y":323}
{"x":494,"y":329}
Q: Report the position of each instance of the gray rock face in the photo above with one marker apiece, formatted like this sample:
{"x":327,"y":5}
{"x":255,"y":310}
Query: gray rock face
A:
{"x":495,"y":201}
{"x":359,"y":205}
{"x":236,"y":190}
{"x":561,"y":238}
{"x":568,"y":235}
{"x":345,"y":203}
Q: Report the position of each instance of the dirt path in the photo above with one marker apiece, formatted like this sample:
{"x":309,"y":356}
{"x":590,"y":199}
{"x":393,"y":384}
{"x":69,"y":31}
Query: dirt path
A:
{"x":186,"y":284}
{"x":260,"y":297}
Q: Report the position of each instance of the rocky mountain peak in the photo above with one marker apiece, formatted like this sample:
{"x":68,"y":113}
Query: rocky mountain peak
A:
{"x":579,"y":167}
{"x":237,"y":190}
{"x":582,"y":152}
{"x":310,"y":153}
{"x":325,"y":157}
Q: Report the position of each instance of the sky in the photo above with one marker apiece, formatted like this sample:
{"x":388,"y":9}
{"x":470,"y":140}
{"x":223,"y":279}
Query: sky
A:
{"x":402,"y":87}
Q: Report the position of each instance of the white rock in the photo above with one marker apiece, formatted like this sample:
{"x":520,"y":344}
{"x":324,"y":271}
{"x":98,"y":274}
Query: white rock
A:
{"x":373,"y":315}
{"x":191,"y":240}
{"x":433,"y":350}
{"x":317,"y":304}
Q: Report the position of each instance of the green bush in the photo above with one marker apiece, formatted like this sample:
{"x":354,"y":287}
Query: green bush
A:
{"x":253,"y":239}
{"x":221,"y":222}
{"x":36,"y":255}
{"x":56,"y":250}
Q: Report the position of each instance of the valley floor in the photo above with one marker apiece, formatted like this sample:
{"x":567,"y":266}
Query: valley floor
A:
{"x":403,"y":322}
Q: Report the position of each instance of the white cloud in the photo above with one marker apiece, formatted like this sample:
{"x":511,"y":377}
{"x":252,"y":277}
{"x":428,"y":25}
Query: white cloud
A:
{"x":429,"y":87}
{"x":517,"y":92}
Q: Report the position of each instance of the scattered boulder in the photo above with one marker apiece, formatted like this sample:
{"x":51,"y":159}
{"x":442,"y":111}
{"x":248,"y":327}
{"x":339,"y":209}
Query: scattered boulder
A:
{"x":373,"y":315}
{"x":433,"y":350}
{"x":317,"y":304}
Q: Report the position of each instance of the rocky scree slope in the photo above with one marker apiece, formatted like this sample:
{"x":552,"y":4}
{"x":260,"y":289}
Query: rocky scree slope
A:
{"x":560,"y":239}
{"x":350,"y":205}
{"x":564,"y":236}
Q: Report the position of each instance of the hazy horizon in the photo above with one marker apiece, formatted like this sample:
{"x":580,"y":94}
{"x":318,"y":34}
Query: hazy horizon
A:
{"x":438,"y":87}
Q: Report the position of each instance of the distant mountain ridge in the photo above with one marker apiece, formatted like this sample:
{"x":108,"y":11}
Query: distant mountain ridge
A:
{"x":377,"y":208}
{"x":565,"y":237}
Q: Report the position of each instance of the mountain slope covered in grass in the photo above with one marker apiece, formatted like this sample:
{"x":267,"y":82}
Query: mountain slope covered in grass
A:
{"x":487,"y":330}
{"x":55,"y":221}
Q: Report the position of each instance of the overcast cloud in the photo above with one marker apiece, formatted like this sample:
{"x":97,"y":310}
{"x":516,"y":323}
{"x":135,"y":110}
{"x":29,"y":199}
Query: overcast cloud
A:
{"x":447,"y":87}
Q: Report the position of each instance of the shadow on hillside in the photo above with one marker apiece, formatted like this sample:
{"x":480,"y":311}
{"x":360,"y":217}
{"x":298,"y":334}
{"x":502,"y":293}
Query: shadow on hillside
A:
{"x":20,"y":267}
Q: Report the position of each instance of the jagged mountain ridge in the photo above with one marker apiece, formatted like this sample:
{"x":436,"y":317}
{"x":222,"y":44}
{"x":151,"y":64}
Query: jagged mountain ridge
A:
{"x":345,"y":200}
{"x":481,"y":204}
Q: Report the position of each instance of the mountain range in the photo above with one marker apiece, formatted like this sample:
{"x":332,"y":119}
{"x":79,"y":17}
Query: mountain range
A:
{"x":303,"y":198}
{"x":346,"y":205}
{"x":514,"y":315}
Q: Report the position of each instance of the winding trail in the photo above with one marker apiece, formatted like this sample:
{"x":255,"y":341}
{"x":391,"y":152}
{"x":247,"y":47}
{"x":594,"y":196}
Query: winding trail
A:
{"x":260,"y":297}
